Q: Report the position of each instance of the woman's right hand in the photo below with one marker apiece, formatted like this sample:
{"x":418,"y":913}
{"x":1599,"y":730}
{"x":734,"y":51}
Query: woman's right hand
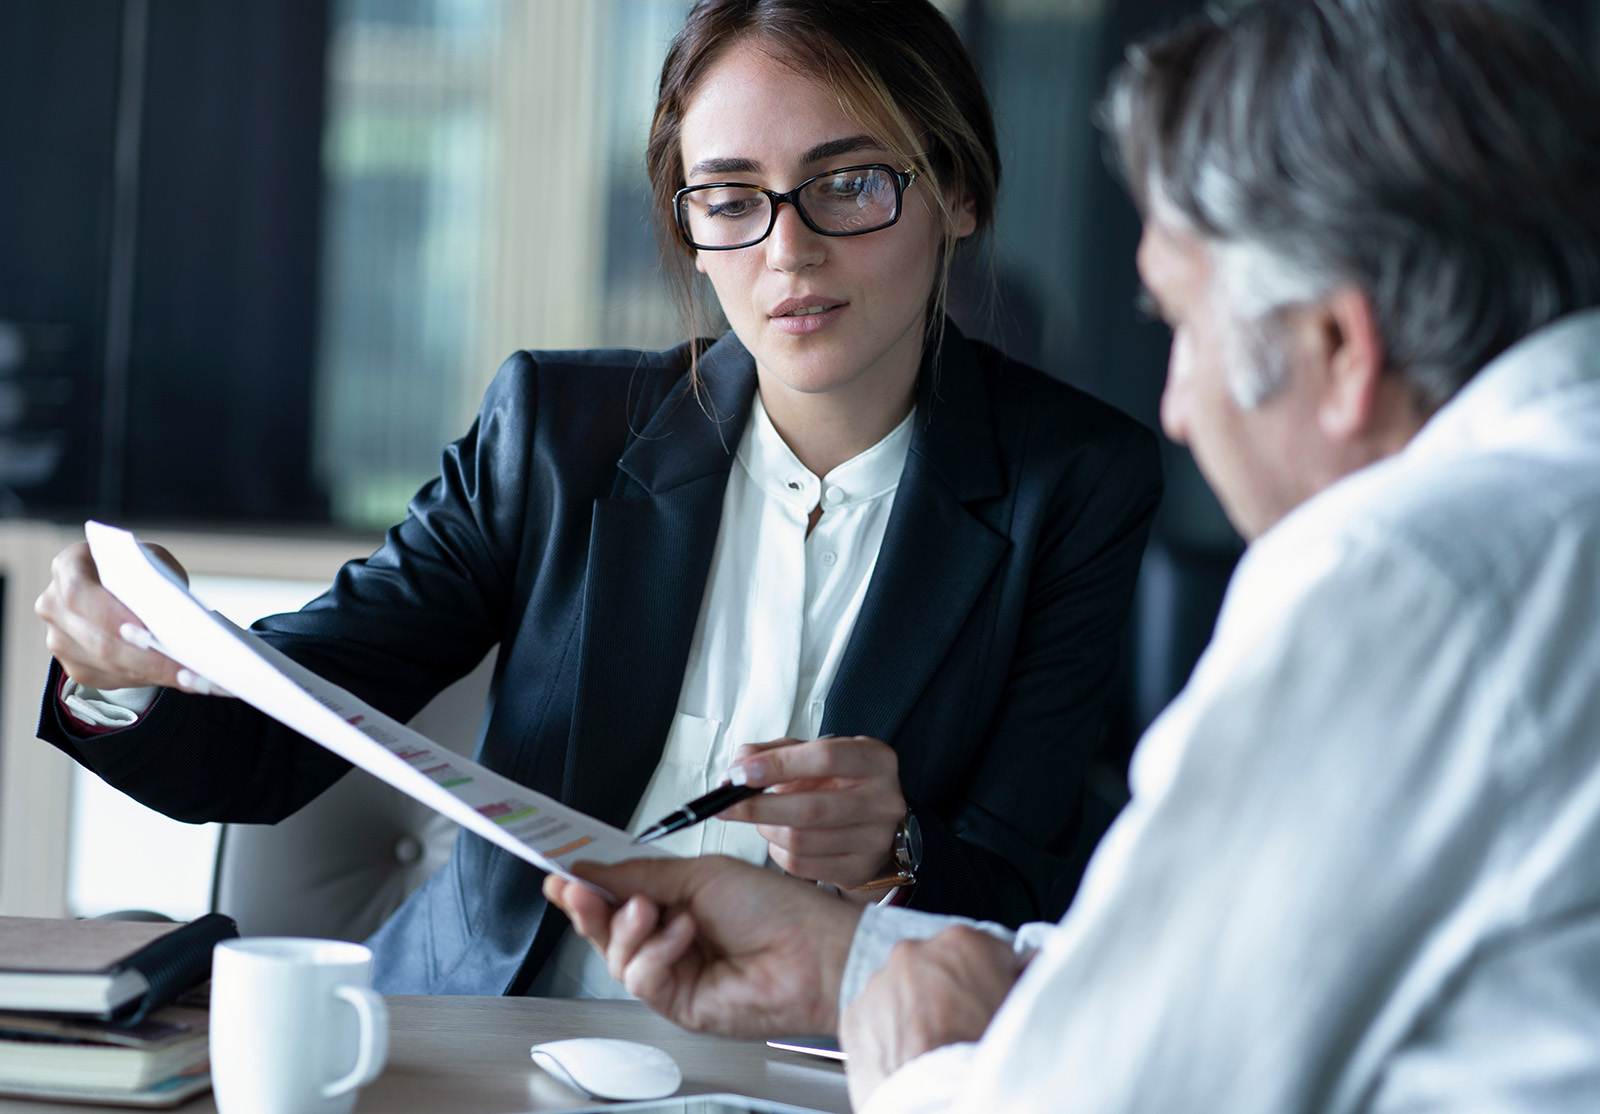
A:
{"x":97,"y":640}
{"x":832,"y":810}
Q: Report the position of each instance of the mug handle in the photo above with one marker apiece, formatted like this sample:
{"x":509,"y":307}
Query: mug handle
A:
{"x":373,"y":1015}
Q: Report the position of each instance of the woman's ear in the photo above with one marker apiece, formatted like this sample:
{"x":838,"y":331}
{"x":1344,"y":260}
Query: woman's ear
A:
{"x":963,"y":214}
{"x":700,"y":262}
{"x":966,"y":218}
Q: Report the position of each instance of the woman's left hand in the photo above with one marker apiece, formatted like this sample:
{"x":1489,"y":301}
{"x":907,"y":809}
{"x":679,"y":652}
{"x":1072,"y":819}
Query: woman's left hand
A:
{"x":833,"y":808}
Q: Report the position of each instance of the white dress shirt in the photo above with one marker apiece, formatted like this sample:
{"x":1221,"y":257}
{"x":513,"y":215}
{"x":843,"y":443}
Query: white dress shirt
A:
{"x":774,"y":621}
{"x":1361,"y":867}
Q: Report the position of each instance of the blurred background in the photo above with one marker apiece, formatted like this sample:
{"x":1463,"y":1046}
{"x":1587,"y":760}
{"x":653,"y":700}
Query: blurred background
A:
{"x":259,"y":261}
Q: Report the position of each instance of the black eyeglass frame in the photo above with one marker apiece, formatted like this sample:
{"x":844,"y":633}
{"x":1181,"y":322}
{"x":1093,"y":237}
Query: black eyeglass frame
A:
{"x":902,"y":181}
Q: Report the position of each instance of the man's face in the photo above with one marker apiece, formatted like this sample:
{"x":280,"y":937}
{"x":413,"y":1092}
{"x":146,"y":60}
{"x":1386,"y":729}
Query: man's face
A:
{"x":1259,"y":461}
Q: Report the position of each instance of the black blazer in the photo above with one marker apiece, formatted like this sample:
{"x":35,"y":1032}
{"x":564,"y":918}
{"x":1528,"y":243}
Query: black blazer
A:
{"x":574,"y":526}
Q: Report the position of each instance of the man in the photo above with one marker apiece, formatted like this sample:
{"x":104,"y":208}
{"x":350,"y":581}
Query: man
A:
{"x":1361,"y":865}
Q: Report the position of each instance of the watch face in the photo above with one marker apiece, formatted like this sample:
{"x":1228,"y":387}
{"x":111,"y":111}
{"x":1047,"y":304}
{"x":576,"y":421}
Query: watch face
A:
{"x":913,"y":840}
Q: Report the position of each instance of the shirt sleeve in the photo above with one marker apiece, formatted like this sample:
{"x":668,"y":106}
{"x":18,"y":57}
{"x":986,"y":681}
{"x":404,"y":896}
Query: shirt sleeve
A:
{"x":106,"y":709}
{"x":883,"y":926}
{"x":1521,"y":1037}
{"x":923,"y":1085}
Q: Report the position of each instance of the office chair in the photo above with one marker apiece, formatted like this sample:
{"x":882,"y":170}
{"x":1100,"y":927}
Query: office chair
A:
{"x":337,"y":868}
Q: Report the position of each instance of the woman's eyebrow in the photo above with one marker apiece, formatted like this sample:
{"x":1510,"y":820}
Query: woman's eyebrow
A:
{"x":835,"y":147}
{"x":724,"y":166}
{"x":830,"y":149}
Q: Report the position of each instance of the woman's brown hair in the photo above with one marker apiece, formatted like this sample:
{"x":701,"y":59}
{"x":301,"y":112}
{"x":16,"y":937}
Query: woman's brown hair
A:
{"x":898,"y":69}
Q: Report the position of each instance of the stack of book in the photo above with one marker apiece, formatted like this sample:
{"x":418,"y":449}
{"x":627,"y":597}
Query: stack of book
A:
{"x":159,"y":1061}
{"x":88,"y":1010}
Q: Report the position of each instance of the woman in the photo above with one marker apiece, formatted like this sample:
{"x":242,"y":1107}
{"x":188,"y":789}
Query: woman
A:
{"x":891,"y":561}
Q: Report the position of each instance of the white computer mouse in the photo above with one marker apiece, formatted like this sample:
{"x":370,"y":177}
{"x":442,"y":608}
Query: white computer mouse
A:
{"x":610,"y":1069}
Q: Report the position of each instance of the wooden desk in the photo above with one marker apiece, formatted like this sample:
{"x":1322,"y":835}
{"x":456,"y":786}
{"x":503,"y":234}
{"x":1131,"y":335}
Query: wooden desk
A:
{"x":470,"y":1056}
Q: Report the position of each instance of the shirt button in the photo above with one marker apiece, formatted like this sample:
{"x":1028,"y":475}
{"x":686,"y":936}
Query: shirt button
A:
{"x":836,"y":495}
{"x":828,"y":558}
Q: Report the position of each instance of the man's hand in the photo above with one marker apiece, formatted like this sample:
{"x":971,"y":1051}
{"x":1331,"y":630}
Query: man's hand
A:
{"x":931,"y":993}
{"x":97,"y":640}
{"x":833,"y":810}
{"x":715,"y":944}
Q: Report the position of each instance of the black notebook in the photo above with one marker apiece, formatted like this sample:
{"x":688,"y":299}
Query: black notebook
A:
{"x":118,"y":970}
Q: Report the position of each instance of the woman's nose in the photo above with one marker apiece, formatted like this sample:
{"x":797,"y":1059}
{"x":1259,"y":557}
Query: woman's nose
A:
{"x":792,"y":246}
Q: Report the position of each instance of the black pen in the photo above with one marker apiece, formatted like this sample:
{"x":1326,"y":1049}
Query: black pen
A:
{"x":701,"y":808}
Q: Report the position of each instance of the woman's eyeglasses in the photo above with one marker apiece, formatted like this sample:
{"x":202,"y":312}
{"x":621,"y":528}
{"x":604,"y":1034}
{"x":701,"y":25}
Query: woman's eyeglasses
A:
{"x":851,"y":201}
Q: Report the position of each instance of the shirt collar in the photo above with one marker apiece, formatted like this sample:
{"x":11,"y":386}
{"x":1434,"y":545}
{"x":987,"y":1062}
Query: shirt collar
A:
{"x":868,"y":475}
{"x":1515,"y":388}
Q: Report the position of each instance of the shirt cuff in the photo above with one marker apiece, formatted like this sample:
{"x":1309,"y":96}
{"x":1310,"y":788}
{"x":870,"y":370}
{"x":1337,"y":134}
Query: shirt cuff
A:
{"x":105,"y":709}
{"x":925,"y":1085}
{"x":881,"y":928}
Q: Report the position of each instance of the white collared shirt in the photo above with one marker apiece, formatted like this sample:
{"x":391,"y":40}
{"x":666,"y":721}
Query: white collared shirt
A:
{"x":778,"y":611}
{"x":1360,"y":871}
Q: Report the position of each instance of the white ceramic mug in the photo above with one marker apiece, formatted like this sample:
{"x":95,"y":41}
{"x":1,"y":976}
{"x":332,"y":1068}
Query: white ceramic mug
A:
{"x":295,"y":1025}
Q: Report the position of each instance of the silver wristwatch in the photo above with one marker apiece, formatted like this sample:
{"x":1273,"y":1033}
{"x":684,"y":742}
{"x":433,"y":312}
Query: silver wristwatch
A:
{"x":907,"y":856}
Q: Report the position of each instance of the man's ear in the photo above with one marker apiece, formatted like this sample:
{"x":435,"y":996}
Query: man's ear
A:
{"x":1353,"y":351}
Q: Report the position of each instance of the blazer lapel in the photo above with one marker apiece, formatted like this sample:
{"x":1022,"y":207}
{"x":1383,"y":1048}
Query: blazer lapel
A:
{"x":650,"y":551}
{"x":935,"y":558}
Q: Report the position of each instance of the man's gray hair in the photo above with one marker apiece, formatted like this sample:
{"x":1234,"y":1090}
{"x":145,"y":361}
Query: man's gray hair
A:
{"x":1441,"y":155}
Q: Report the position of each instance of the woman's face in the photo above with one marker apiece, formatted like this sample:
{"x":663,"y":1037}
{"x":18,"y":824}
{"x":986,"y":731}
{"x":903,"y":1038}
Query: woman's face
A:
{"x":755,"y":120}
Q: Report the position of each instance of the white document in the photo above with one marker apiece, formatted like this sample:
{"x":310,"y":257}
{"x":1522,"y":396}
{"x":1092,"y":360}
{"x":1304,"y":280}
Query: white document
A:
{"x":529,"y":824}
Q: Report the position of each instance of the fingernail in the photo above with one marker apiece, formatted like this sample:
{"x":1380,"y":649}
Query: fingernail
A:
{"x":137,"y":635}
{"x":738,"y":775}
{"x":194,"y":682}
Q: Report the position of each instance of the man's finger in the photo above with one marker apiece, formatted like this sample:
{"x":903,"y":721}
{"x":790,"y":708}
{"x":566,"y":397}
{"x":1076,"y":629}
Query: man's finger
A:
{"x":589,"y":913}
{"x":631,"y":927}
{"x":664,"y":881}
{"x":649,"y":974}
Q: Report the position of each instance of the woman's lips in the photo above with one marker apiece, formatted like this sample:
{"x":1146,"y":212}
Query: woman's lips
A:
{"x":803,"y":316}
